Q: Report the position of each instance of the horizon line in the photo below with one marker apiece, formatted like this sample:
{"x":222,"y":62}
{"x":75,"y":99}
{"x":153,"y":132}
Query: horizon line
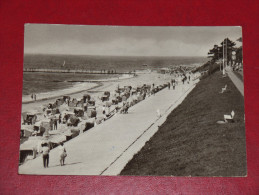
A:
{"x":106,"y":55}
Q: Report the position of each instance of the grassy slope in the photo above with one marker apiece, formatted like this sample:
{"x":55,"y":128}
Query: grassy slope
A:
{"x":190,"y":142}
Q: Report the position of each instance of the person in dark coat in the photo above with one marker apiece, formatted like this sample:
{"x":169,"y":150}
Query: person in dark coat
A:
{"x":59,"y":119}
{"x":51,"y":124}
{"x":45,"y":154}
{"x":55,"y":124}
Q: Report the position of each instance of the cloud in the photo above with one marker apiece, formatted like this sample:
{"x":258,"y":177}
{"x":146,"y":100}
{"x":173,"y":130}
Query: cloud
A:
{"x":121,"y":46}
{"x":128,"y":41}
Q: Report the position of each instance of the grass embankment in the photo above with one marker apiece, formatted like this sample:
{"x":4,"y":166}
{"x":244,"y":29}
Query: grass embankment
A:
{"x":191,"y":142}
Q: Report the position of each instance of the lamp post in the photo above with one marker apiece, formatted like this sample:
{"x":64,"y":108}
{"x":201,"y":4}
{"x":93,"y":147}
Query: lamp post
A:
{"x":218,"y":59}
{"x":227,"y":51}
{"x":223,"y":66}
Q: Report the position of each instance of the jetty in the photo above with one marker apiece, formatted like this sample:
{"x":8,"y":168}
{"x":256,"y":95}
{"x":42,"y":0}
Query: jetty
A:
{"x":75,"y":71}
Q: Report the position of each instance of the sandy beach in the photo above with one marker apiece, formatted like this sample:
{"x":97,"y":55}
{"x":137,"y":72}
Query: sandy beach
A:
{"x":106,"y":148}
{"x":141,"y":116}
{"x":94,"y":88}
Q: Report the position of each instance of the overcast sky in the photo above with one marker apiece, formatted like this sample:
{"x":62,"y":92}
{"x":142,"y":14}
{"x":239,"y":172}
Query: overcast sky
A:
{"x":125,"y":41}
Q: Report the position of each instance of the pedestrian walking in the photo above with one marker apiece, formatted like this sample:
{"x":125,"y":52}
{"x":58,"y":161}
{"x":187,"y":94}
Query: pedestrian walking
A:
{"x":62,"y":154}
{"x":103,"y":109}
{"x":45,"y":154}
{"x":55,"y":124}
{"x":35,"y":97}
{"x":59,"y":119}
{"x":51,"y":123}
{"x":107,"y":111}
{"x":158,"y":113}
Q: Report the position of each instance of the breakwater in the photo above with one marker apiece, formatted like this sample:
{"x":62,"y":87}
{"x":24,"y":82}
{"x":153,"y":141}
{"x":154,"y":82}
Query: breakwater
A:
{"x":75,"y":71}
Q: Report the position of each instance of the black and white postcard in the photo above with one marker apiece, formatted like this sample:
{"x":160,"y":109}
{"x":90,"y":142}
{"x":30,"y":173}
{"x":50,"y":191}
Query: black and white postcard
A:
{"x":132,"y":100}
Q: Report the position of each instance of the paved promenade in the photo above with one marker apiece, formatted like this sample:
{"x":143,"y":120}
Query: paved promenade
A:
{"x":237,"y":82}
{"x":106,"y":148}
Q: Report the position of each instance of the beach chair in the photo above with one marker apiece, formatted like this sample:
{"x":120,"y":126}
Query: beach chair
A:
{"x":229,"y":118}
{"x":107,"y":93}
{"x":105,"y":98}
{"x":133,"y":92}
{"x":91,"y":103}
{"x":80,"y":105}
{"x":55,"y":111}
{"x":86,"y":98}
{"x":223,"y":89}
{"x":148,"y":87}
{"x":124,"y":109}
{"x":79,"y":112}
{"x":74,"y":101}
{"x":114,"y":101}
{"x":72,"y":104}
{"x":119,"y":99}
{"x":73,"y":121}
{"x":80,"y":102}
{"x":91,"y":113}
{"x":126,"y":89}
{"x":66,"y":98}
{"x":127,"y":95}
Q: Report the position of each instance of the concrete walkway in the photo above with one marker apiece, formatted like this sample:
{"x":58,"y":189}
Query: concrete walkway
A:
{"x":237,"y":82}
{"x":106,"y":148}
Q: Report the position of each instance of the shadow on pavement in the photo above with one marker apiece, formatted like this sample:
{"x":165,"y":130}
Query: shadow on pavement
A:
{"x":58,"y":165}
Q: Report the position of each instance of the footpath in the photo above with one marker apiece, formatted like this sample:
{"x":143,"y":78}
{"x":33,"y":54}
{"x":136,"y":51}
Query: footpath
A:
{"x":237,"y":82}
{"x":107,"y":148}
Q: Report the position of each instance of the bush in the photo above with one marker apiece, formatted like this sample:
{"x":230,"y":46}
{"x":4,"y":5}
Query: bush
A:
{"x":213,"y":68}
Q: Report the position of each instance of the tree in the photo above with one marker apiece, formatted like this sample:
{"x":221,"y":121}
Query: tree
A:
{"x":239,"y":55}
{"x":240,"y":39}
{"x":228,"y":46}
{"x":239,"y":52}
{"x":215,"y":53}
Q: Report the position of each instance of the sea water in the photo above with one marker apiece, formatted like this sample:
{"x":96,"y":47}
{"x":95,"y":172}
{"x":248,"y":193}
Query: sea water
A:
{"x":38,"y":82}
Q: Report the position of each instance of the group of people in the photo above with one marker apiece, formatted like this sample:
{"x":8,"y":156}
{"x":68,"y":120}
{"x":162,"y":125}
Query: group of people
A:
{"x":173,"y":82}
{"x":186,"y":78}
{"x":45,"y":154}
{"x":54,"y":123}
{"x":127,"y":103}
{"x":33,"y":96}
